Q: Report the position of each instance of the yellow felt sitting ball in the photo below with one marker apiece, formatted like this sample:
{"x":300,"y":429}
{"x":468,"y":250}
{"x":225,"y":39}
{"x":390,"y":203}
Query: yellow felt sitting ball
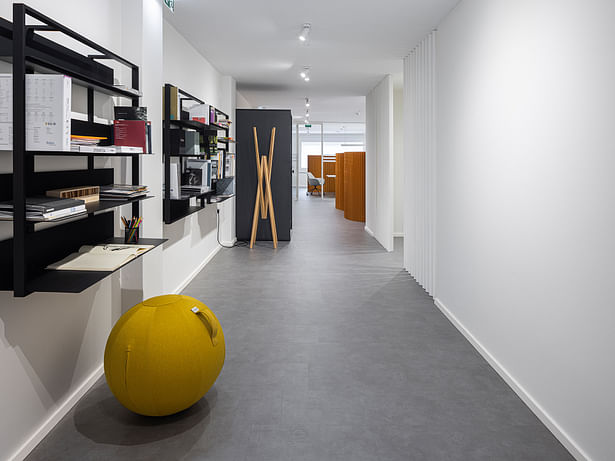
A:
{"x":164,"y":354}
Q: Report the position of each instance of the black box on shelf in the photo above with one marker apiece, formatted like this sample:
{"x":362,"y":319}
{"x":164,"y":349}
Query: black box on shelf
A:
{"x":130,"y":113}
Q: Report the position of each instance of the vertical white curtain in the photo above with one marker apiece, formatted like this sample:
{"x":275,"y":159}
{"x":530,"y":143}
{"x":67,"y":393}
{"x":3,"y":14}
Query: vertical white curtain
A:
{"x":420,"y":163}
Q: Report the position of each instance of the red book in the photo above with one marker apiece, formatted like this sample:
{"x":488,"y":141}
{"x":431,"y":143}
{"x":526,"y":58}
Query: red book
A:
{"x":130,"y":133}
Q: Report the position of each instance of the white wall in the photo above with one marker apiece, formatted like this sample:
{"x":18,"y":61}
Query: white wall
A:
{"x":242,"y":102}
{"x":526,"y":222}
{"x":379,"y":181}
{"x":399,"y":192}
{"x":193,"y":240}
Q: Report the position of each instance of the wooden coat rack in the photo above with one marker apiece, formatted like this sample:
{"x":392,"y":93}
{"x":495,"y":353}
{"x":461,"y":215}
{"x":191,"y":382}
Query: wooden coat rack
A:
{"x":264,"y":200}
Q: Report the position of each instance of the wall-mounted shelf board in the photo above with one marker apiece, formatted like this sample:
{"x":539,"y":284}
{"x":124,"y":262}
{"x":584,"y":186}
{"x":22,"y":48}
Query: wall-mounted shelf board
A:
{"x":186,"y":212}
{"x":52,"y":281}
{"x":68,"y":153}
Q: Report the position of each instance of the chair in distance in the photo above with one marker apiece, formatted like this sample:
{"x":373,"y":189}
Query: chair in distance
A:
{"x":313,"y":183}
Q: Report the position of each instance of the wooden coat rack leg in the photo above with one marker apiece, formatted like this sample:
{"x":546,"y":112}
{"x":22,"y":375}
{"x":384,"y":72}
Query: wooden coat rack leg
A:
{"x":264,"y":198}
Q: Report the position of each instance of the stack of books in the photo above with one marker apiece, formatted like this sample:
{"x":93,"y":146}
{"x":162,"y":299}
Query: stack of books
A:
{"x":43,"y":209}
{"x":80,"y":143}
{"x":122,"y":192}
{"x":91,"y":144}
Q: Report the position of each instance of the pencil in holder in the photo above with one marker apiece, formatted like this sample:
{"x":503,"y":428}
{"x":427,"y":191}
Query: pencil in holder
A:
{"x":131,"y":235}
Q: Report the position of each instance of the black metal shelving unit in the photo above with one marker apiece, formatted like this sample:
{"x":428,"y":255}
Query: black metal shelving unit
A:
{"x":31,"y":250}
{"x":175,"y":209}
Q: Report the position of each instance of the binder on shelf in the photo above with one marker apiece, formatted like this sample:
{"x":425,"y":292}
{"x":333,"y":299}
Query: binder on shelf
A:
{"x":175,"y":184}
{"x":48,"y":104}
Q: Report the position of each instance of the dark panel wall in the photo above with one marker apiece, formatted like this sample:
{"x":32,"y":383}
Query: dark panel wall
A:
{"x":281,"y":172}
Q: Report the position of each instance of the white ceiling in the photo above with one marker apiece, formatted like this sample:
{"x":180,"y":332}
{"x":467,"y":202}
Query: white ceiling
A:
{"x":353,"y":44}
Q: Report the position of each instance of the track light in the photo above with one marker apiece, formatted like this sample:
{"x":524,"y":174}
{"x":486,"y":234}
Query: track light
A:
{"x":307,"y":102}
{"x":305,"y":74}
{"x":307,"y":114}
{"x":305,"y":32}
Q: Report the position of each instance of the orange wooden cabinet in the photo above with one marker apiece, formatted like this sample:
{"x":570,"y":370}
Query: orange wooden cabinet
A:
{"x":339,"y":181}
{"x":354,"y":186}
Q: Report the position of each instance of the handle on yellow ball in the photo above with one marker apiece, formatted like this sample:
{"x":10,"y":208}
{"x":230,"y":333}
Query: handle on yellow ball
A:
{"x":211,"y":322}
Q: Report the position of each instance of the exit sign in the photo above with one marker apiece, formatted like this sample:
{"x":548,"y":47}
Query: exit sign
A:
{"x":170,"y":4}
{"x":308,"y":125}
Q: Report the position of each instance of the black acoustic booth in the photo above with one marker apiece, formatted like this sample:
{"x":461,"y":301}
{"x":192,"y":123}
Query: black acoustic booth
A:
{"x":281,"y":172}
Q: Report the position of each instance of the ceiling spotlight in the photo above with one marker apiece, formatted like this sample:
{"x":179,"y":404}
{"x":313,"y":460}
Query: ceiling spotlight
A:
{"x":305,"y":74}
{"x":307,"y":115}
{"x":305,"y":32}
{"x":307,"y":101}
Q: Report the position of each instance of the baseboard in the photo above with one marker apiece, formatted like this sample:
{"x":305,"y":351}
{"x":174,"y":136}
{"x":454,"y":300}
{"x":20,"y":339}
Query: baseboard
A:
{"x":56,"y":416}
{"x":398,"y":234}
{"x":199,"y":268}
{"x":370,"y":232}
{"x":533,"y":405}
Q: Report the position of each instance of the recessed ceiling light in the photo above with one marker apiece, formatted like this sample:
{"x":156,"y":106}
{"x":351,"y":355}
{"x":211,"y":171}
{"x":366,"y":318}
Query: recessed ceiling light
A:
{"x":305,"y":32}
{"x":307,"y":78}
{"x":307,"y":102}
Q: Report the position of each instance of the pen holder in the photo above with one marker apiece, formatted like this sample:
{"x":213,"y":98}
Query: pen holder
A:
{"x":131,"y":235}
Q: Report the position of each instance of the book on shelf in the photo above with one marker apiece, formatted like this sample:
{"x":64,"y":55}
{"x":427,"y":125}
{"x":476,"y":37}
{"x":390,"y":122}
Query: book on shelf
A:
{"x":192,"y":144}
{"x":130,"y":113}
{"x":212,"y":114}
{"x":52,"y":216}
{"x":107,"y":149}
{"x":197,"y":175}
{"x":122,"y":191}
{"x":100,"y":257}
{"x":200,"y":113}
{"x":45,"y":208}
{"x":81,"y":140}
{"x":174,"y":103}
{"x":134,"y":133}
{"x":48,"y":103}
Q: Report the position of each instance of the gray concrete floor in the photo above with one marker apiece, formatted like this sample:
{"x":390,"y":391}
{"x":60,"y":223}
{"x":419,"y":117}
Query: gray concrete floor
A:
{"x":333,"y":353}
